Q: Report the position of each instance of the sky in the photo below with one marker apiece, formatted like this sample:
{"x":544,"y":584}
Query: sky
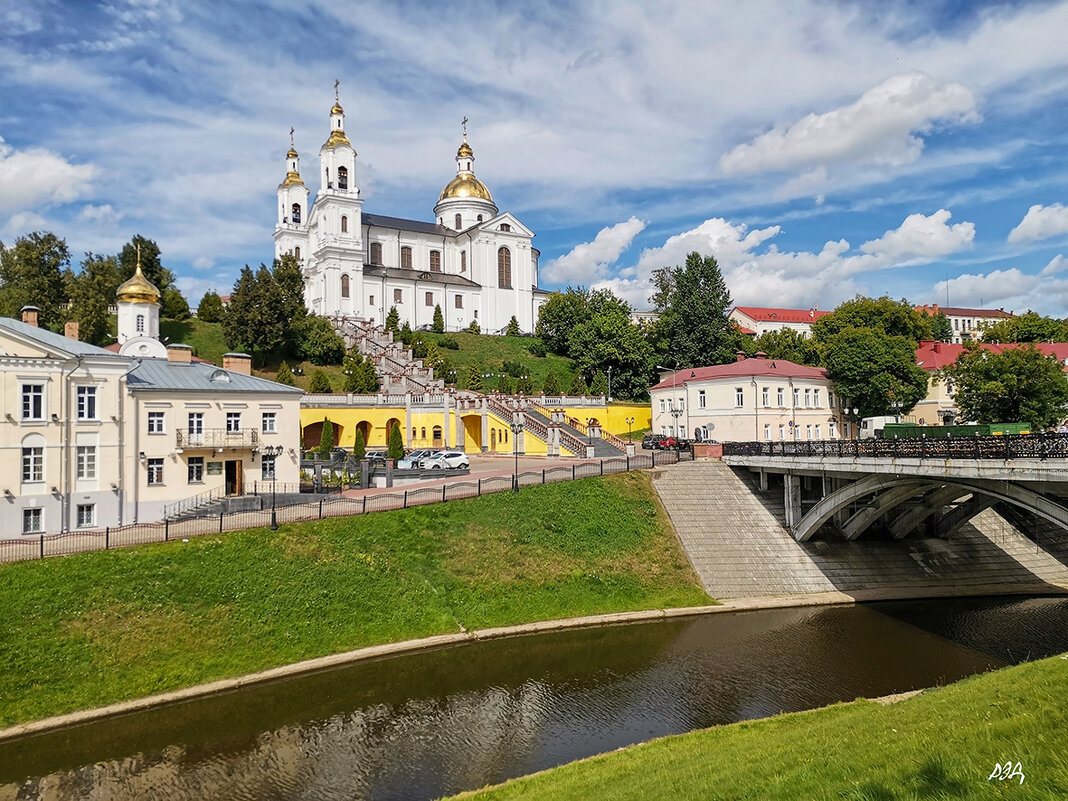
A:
{"x":818,"y":150}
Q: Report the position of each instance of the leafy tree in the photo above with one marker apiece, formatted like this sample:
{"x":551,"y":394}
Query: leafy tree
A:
{"x":438,"y":326}
{"x":285,"y":375}
{"x":606,"y":338}
{"x":787,"y":344}
{"x":290,"y":280}
{"x":396,"y":443}
{"x":32,"y":274}
{"x":393,"y":319}
{"x":326,"y":437}
{"x":1027,"y":327}
{"x":256,"y":320}
{"x":359,"y":447}
{"x":504,"y":386}
{"x":578,"y":385}
{"x":444,"y":370}
{"x":318,"y":342}
{"x":173,"y":304}
{"x":551,"y":386}
{"x":693,"y":302}
{"x":599,"y":385}
{"x":513,"y":328}
{"x":92,"y":292}
{"x":524,"y":385}
{"x":941,"y":330}
{"x":872,"y":370}
{"x":405,"y":335}
{"x":319,"y":382}
{"x":1016,"y":385}
{"x":210,"y":309}
{"x":473,"y":378}
{"x":559,"y":316}
{"x":473,"y":328}
{"x":360,"y":375}
{"x":151,"y":266}
{"x":895,"y":318}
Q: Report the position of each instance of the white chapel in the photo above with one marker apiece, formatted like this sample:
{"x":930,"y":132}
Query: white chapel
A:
{"x":473,"y":260}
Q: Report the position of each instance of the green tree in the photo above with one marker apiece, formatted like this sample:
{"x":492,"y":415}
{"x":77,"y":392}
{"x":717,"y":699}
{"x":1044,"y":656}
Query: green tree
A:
{"x":438,"y":326}
{"x":872,"y":371}
{"x":607,"y":339}
{"x":599,"y":385}
{"x":326,"y":437}
{"x":505,"y":386}
{"x":92,"y":292}
{"x":559,"y":316}
{"x":524,"y":385}
{"x":210,"y":309}
{"x":551,"y":386}
{"x":359,"y":447}
{"x":359,"y":373}
{"x":473,"y":328}
{"x":317,"y":340}
{"x":941,"y":330}
{"x":396,"y":443}
{"x":473,"y":378}
{"x":151,"y":265}
{"x":290,"y":280}
{"x":393,"y":319}
{"x":405,"y":335}
{"x":513,"y":328}
{"x":1017,"y":385}
{"x":285,"y":375}
{"x":1027,"y":327}
{"x":256,"y":321}
{"x":786,"y":344}
{"x":895,"y":318}
{"x":319,"y":382}
{"x":578,"y":385}
{"x":445,"y":371}
{"x":693,"y":302}
{"x":173,"y":304}
{"x":32,"y":274}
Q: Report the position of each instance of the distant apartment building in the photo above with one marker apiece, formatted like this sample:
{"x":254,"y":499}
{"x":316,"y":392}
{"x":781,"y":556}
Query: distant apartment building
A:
{"x":967,"y":324}
{"x":758,"y":320}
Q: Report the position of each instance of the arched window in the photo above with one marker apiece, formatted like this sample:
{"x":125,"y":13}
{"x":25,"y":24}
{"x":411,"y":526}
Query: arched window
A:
{"x":406,"y":257}
{"x":296,"y":212}
{"x":459,"y":222}
{"x":342,"y":178}
{"x":480,"y":218}
{"x":376,"y":253}
{"x":344,"y":286}
{"x":296,"y":252}
{"x":344,"y":224}
{"x":463,"y":261}
{"x":504,"y":268}
{"x":504,"y":227}
{"x":435,"y":261}
{"x":140,"y":324}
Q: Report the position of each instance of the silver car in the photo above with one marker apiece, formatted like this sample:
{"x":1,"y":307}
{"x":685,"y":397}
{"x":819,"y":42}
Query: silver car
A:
{"x":413,"y":460}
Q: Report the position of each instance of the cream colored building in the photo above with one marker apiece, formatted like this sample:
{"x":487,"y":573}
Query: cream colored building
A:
{"x":757,"y":399}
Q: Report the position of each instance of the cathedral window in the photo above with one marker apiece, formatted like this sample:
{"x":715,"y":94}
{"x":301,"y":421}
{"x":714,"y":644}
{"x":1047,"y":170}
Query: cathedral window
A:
{"x":435,"y":261}
{"x":296,"y":212}
{"x":504,"y":268}
{"x":344,"y":286}
{"x":342,"y":178}
{"x":376,"y":253}
{"x":480,"y":218}
{"x":371,"y":300}
{"x":429,"y":298}
{"x":398,"y":296}
{"x":296,"y":252}
{"x":459,"y":301}
{"x":406,"y":257}
{"x":344,"y":224}
{"x":504,"y":227}
{"x":463,"y":261}
{"x":140,"y":323}
{"x":459,"y":222}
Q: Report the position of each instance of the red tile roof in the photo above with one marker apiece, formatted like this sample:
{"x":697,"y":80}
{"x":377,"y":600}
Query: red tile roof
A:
{"x":770,"y":315}
{"x":959,"y":311}
{"x":759,"y":366}
{"x":937,"y":355}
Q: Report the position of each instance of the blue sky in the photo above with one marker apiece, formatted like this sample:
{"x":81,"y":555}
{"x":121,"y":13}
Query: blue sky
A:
{"x":817,"y":149}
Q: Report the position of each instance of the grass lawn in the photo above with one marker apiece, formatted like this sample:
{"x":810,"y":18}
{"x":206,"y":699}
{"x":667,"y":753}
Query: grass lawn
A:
{"x":91,"y":629}
{"x":939,"y":745}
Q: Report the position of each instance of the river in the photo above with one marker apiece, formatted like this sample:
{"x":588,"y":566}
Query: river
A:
{"x":424,"y":725}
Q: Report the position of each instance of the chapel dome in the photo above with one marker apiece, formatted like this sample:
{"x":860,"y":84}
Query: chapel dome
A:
{"x":138,"y":289}
{"x":466,"y":185}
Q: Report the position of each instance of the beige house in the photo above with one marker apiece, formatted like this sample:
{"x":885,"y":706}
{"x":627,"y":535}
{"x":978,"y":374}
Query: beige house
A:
{"x":770,"y":400}
{"x":759,"y":320}
{"x":967,"y":324}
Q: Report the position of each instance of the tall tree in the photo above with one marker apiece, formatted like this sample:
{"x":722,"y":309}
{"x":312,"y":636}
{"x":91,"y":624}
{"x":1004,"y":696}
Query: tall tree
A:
{"x":173,"y":304}
{"x":438,"y":326}
{"x":524,"y":385}
{"x":92,"y":292}
{"x":1017,"y":385}
{"x":552,"y":384}
{"x":256,"y":319}
{"x":895,"y":318}
{"x":788,"y":344}
{"x":326,"y":437}
{"x":290,"y":280}
{"x":396,"y":444}
{"x":319,"y":383}
{"x":210,"y":309}
{"x":316,"y":340}
{"x":473,"y":378}
{"x":285,"y":375}
{"x":1027,"y":327}
{"x":941,"y":330}
{"x":559,"y":315}
{"x":605,"y":339}
{"x":578,"y":386}
{"x":32,"y":274}
{"x":873,"y":371}
{"x":392,"y":319}
{"x":693,"y":301}
{"x":151,"y":266}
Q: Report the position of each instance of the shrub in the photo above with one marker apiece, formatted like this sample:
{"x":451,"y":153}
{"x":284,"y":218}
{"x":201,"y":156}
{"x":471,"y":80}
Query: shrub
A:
{"x":319,"y":382}
{"x":396,"y":443}
{"x":450,"y":343}
{"x":318,"y":342}
{"x":438,"y":326}
{"x":504,"y":385}
{"x":284,"y":375}
{"x":326,"y":438}
{"x":578,"y":386}
{"x":210,"y":309}
{"x":473,"y":328}
{"x":537,"y":348}
{"x":552,"y":385}
{"x":513,"y":328}
{"x":392,"y":319}
{"x":359,"y":448}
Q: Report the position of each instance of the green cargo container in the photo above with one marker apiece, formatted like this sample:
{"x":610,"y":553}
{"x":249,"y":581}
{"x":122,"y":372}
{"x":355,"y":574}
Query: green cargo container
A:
{"x":911,"y":430}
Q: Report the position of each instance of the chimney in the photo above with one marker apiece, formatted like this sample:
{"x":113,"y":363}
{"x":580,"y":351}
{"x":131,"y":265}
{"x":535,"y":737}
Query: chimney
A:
{"x":938,"y":347}
{"x":180,"y":354}
{"x":760,"y":355}
{"x":29,"y":315}
{"x":238,"y":362}
{"x":70,"y":329}
{"x":740,"y":355}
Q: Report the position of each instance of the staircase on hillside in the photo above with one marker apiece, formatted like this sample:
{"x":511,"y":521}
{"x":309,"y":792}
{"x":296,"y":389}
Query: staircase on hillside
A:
{"x":573,"y":435}
{"x":398,"y":373}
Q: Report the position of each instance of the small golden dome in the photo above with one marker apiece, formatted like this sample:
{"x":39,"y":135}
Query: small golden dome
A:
{"x":292,"y":179}
{"x":337,"y":137}
{"x":465,"y":151}
{"x":138,"y":289}
{"x":292,"y":154}
{"x":466,"y":185}
{"x":337,"y":108}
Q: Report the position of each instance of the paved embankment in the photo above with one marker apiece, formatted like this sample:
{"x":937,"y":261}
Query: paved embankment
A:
{"x":735,"y":537}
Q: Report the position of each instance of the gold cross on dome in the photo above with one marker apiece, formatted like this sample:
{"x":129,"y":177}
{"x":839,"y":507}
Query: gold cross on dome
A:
{"x":465,"y":128}
{"x":337,"y":83}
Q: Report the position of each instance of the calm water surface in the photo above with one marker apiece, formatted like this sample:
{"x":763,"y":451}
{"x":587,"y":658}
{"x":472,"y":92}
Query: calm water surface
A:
{"x":431,"y":724}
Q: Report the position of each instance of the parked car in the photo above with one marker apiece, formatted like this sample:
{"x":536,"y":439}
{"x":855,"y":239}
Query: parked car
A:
{"x":375,"y":457}
{"x":650,"y":441}
{"x":413,"y":460}
{"x":339,"y":455}
{"x":447,"y":459}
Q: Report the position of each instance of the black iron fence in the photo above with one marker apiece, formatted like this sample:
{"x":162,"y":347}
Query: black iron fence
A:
{"x":317,"y":506}
{"x":1004,"y":447}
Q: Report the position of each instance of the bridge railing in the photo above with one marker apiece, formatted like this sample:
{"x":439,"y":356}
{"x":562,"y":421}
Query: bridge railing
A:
{"x":1004,"y":447}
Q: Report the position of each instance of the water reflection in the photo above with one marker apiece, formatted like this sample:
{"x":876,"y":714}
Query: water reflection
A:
{"x":431,"y":724}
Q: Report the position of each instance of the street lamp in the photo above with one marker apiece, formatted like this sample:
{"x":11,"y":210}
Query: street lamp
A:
{"x":517,"y":431}
{"x":589,"y":428}
{"x":630,"y":424}
{"x":609,"y":384}
{"x":273,"y":452}
{"x":896,"y":406}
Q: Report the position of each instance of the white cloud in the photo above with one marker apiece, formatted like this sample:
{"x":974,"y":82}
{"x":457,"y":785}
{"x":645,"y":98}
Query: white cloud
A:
{"x":1007,"y":288}
{"x":203,"y":263}
{"x":23,"y":222}
{"x":880,"y":128}
{"x":920,"y":237}
{"x":588,"y":262}
{"x":104,"y":215}
{"x":1056,"y":265}
{"x":35,"y":177}
{"x":1041,"y":222}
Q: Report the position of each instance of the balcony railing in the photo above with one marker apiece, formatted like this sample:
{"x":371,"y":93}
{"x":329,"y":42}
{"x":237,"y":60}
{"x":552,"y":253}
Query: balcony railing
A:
{"x":217,"y":439}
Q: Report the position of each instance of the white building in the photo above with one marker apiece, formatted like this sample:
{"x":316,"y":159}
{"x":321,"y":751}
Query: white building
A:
{"x":967,"y":324}
{"x":474,"y":261}
{"x":759,"y":320}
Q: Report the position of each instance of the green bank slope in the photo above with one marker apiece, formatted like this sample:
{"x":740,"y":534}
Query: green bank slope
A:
{"x":92,"y":629}
{"x":944,"y":744}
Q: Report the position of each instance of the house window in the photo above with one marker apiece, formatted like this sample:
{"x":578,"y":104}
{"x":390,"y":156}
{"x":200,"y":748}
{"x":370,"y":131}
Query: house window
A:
{"x":33,"y":464}
{"x":296,"y":252}
{"x":475,"y":313}
{"x":459,"y":302}
{"x":782,"y":432}
{"x":435,"y":261}
{"x":765,"y":396}
{"x":32,"y":521}
{"x":480,"y":218}
{"x":33,"y":401}
{"x":140,"y":324}
{"x":86,"y":515}
{"x":195,"y":469}
{"x":682,"y":404}
{"x":398,"y":296}
{"x":818,"y":432}
{"x":459,"y":223}
{"x":406,"y":257}
{"x":87,"y":403}
{"x":797,"y":397}
{"x":344,"y":286}
{"x":267,"y":468}
{"x":463,"y":261}
{"x":816,"y":397}
{"x":830,"y":399}
{"x":701,"y":399}
{"x":661,"y":405}
{"x":85,"y":459}
{"x":779,"y":398}
{"x":808,"y":432}
{"x":343,"y":183}
{"x":371,"y":301}
{"x":832,"y":431}
{"x":233,"y":422}
{"x":155,"y":472}
{"x":429,"y":298}
{"x":504,"y":268}
{"x":767,"y":431}
{"x":344,"y":223}
{"x":739,"y":396}
{"x":808,"y":397}
{"x":196,"y":428}
{"x":376,"y":253}
{"x":269,"y":422}
{"x":155,"y":422}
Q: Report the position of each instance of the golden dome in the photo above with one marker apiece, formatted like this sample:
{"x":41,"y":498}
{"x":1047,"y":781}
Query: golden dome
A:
{"x":466,"y":185}
{"x":292,"y":154}
{"x":465,"y":151}
{"x":337,"y":108}
{"x":337,"y":137}
{"x":292,"y":179}
{"x":138,"y":289}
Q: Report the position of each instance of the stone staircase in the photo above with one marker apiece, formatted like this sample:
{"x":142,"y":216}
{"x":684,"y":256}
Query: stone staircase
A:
{"x":398,"y":372}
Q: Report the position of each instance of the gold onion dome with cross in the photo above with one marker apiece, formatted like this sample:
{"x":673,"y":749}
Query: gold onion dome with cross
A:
{"x":138,"y":289}
{"x":465,"y":184}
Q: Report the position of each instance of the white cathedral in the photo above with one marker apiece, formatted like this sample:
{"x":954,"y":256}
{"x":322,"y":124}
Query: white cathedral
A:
{"x":474,"y":261}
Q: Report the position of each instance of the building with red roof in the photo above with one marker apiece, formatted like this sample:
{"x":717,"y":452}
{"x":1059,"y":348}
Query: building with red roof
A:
{"x":757,"y":320}
{"x":967,"y":324}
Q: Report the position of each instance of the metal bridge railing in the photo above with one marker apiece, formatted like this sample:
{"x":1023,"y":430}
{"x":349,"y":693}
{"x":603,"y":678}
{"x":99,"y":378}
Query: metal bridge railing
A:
{"x":1004,"y":447}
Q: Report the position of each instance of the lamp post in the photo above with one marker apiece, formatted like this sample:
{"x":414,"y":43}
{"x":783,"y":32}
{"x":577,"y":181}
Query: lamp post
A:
{"x":609,"y":384}
{"x":273,"y":452}
{"x":856,"y":422}
{"x":589,"y":427}
{"x":630,"y":425}
{"x":896,"y":406}
{"x":517,"y":431}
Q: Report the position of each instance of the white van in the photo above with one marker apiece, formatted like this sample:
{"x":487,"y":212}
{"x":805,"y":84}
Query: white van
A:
{"x":873,"y":426}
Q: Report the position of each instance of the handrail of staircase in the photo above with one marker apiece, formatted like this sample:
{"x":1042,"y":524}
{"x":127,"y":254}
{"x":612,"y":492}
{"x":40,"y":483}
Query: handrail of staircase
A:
{"x":505,"y":413}
{"x":184,"y":505}
{"x":401,"y":367}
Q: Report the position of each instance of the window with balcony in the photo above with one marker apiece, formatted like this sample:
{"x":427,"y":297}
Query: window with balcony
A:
{"x":196,"y":428}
